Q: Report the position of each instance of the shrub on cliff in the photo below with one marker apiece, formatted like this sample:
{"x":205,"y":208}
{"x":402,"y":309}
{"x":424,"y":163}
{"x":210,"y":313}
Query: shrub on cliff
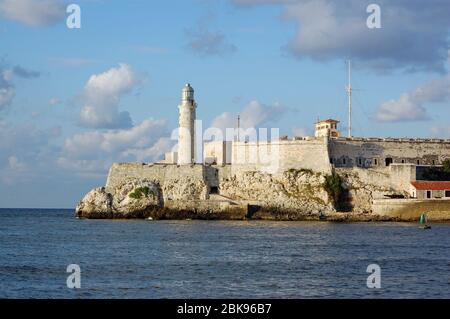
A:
{"x":140,"y":192}
{"x":296,"y":171}
{"x":436,"y":173}
{"x":333,"y":186}
{"x":446,"y":165}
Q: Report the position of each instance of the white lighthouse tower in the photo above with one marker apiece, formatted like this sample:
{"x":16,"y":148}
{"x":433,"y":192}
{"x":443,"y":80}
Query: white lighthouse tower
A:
{"x":186,"y":131}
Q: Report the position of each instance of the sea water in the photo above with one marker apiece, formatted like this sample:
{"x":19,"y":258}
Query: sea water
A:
{"x":218,"y":259}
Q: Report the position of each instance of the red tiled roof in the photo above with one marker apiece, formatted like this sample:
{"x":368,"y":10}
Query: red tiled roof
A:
{"x":328,"y":121}
{"x":428,"y":185}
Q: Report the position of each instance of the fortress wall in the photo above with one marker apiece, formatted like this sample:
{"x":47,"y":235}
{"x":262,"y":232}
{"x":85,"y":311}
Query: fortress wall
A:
{"x":220,"y":150}
{"x":396,"y":177}
{"x":379,"y":178}
{"x":311,"y":155}
{"x":365,"y":152}
{"x":211,"y":175}
{"x":278,"y":156}
{"x":401,"y":176}
{"x":120,"y":172}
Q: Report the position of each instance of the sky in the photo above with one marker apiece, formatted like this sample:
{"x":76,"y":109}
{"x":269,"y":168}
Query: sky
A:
{"x":75,"y":100}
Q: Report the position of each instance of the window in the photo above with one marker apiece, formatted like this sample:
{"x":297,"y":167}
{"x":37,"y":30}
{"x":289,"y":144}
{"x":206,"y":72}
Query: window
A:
{"x":447,"y":193}
{"x":428,"y":194}
{"x":403,"y":161}
{"x":388,"y":161}
{"x":418,"y":162}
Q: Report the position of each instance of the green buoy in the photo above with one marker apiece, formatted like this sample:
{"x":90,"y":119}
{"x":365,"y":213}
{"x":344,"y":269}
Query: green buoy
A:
{"x":423,"y":221}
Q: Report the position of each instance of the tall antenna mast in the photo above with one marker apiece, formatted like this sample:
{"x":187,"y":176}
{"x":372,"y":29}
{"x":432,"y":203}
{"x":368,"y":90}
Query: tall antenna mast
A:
{"x":349,"y":93}
{"x":239,"y":124}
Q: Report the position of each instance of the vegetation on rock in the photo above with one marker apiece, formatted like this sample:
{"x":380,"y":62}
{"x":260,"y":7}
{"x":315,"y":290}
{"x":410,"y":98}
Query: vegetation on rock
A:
{"x":140,"y":192}
{"x":333,"y":186}
{"x":446,"y":165}
{"x":439,"y":173}
{"x":296,"y":171}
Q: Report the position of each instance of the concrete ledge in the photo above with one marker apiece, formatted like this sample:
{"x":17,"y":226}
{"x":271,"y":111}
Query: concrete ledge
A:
{"x":411,"y":209}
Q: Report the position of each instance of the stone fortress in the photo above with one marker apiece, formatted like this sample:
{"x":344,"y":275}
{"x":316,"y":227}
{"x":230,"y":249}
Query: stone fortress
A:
{"x":324,"y":176}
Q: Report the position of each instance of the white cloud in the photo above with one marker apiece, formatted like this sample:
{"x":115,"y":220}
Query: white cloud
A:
{"x":54,"y":101}
{"x":25,"y":73}
{"x":253,"y":115}
{"x":6,"y":96}
{"x":204,"y":40}
{"x":208,"y":43}
{"x":15,"y":164}
{"x":50,"y":174}
{"x":141,"y":142}
{"x":24,"y":146}
{"x":411,"y":106}
{"x":413,"y":36}
{"x":83,"y":167}
{"x":403,"y":109}
{"x":30,"y":153}
{"x":7,"y":89}
{"x":102,"y":94}
{"x":152,"y":153}
{"x":33,"y":12}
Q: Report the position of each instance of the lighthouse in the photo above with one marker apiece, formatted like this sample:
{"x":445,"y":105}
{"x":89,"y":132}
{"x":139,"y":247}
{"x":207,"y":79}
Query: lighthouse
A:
{"x":186,"y":131}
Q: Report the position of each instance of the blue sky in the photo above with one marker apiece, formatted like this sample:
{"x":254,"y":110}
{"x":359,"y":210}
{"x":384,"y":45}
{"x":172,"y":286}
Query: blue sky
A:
{"x":72,"y":101}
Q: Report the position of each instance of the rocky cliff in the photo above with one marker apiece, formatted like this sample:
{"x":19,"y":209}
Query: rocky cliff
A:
{"x":294,"y":193}
{"x":291,"y":195}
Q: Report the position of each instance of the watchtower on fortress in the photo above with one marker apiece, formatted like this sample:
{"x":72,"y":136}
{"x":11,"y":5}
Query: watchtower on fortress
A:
{"x":327,"y":128}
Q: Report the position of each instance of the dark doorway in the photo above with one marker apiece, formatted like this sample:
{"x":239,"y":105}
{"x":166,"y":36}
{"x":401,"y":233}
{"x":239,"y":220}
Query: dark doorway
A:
{"x":388,"y":161}
{"x":428,"y":194}
{"x":214,"y":190}
{"x":251,"y":210}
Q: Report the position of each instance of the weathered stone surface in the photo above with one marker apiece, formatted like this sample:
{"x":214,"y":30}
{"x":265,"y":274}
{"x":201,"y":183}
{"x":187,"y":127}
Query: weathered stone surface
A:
{"x":298,"y":191}
{"x":95,"y":204}
{"x":184,"y":188}
{"x":180,"y":192}
{"x":361,"y":193}
{"x":120,"y":202}
{"x":125,"y":204}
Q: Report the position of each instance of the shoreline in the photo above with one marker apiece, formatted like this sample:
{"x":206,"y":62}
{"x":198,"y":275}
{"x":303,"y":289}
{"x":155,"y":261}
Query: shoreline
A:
{"x":338,"y":217}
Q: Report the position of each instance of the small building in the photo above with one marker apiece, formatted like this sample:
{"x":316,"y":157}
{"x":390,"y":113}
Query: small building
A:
{"x":430,"y":189}
{"x":327,"y":128}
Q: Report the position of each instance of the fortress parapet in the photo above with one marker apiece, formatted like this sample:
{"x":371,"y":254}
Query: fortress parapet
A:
{"x":393,"y":139}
